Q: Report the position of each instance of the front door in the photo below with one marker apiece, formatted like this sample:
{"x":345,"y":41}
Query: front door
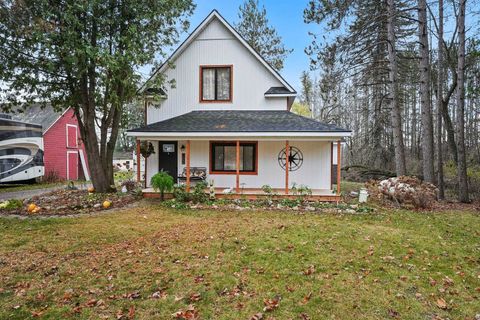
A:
{"x":167,"y":158}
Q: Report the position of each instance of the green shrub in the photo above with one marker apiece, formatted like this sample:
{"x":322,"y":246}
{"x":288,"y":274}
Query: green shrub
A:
{"x":289,"y":203}
{"x":162,"y":182}
{"x":180,"y":193}
{"x":267,"y":189}
{"x":199,"y":195}
{"x":302,"y":192}
{"x":11,"y":204}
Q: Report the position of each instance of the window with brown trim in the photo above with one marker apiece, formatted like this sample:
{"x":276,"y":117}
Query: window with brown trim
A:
{"x":223,"y":157}
{"x":215,"y":83}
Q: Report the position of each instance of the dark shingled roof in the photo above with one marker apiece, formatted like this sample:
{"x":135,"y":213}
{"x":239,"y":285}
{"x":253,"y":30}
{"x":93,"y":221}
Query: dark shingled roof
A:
{"x":36,"y":114}
{"x":240,"y":121}
{"x":278,"y":90}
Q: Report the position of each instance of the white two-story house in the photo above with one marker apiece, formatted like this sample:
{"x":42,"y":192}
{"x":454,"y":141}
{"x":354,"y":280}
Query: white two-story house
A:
{"x":227,"y":120}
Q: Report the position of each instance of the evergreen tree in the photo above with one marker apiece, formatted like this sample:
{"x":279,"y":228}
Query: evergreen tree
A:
{"x":307,"y":89}
{"x":254,"y":28}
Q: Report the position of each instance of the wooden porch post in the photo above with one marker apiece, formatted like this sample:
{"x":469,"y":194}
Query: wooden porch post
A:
{"x":238,"y":167}
{"x":339,"y":165}
{"x":331,"y":165}
{"x":138,"y":160}
{"x":187,"y":163}
{"x":287,"y":164}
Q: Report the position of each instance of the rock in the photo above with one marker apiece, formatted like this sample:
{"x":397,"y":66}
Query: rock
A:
{"x":279,"y":206}
{"x":214,"y":206}
{"x":354,"y":206}
{"x":97,"y":205}
{"x":351,"y":211}
{"x":353,"y":194}
{"x":309,"y":208}
{"x":295,"y":208}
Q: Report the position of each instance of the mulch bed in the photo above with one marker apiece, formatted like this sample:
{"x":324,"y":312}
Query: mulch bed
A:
{"x":71,"y":202}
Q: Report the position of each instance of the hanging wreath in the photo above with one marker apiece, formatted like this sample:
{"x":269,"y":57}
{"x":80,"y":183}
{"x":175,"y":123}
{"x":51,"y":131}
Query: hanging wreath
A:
{"x":295,"y":159}
{"x":146,"y":149}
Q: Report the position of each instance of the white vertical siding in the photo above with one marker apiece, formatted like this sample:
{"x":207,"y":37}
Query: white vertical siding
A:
{"x":314,"y":172}
{"x":216,"y":46}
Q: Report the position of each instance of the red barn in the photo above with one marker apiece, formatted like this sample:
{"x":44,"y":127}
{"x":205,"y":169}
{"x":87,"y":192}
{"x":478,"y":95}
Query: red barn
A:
{"x":64,"y":151}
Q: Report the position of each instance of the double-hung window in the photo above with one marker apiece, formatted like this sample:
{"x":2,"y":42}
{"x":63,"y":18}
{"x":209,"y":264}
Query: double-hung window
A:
{"x":215,"y":83}
{"x":223,"y":157}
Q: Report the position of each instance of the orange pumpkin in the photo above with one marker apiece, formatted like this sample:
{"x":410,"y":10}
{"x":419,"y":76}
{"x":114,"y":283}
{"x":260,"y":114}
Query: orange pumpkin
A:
{"x":31,"y":207}
{"x":107,"y":204}
{"x":91,"y":189}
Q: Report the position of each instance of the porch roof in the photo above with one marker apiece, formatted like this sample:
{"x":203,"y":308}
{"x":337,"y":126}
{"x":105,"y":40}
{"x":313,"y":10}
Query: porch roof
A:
{"x":229,"y":121}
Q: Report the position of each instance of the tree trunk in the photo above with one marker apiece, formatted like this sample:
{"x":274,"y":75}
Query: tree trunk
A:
{"x":441,"y":183}
{"x":460,"y":121}
{"x":100,"y":177}
{"x":427,"y":121}
{"x":396,"y":114}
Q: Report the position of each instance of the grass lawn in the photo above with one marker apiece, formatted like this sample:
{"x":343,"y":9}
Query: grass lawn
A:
{"x":150,"y":262}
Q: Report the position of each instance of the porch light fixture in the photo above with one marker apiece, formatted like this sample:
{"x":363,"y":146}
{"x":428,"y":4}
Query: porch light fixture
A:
{"x":182,"y":148}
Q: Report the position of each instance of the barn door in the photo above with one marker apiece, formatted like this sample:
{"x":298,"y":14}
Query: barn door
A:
{"x":72,"y":165}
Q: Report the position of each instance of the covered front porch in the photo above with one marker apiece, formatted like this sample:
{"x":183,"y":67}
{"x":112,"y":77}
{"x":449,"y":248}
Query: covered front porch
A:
{"x":242,"y":168}
{"x":248,"y":154}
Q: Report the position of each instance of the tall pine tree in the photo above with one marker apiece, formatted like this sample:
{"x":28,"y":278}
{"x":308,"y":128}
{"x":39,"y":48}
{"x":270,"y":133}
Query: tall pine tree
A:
{"x":254,"y":27}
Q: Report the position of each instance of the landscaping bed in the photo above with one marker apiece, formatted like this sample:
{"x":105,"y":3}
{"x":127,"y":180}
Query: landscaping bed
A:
{"x":66,"y":202}
{"x":295,"y":205}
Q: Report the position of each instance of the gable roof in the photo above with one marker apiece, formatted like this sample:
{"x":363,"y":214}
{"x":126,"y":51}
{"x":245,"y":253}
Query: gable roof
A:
{"x":45,"y":117}
{"x":240,"y":121}
{"x":216,"y":15}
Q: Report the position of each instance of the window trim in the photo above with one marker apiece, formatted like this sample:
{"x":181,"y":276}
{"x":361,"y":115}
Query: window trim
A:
{"x":234,"y":143}
{"x":200,"y":92}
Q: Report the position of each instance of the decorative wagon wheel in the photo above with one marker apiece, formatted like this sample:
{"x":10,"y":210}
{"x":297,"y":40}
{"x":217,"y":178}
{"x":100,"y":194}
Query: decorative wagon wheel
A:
{"x":295,"y":159}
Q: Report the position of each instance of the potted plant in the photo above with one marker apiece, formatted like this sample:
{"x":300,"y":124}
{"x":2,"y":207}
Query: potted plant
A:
{"x":162,"y":182}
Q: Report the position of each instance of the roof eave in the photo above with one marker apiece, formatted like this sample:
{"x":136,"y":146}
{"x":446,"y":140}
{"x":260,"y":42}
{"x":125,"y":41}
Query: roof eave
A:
{"x":279,"y":95}
{"x":193,"y":134}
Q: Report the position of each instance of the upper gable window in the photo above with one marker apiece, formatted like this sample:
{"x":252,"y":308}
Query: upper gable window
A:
{"x":215,"y":83}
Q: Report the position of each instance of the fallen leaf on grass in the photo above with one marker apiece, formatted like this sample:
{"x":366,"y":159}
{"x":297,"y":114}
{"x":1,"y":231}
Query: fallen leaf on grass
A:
{"x":258,"y":316}
{"x":310,"y":270}
{"x":441,"y":303}
{"x":189,"y":314}
{"x":131,"y":312}
{"x":270,"y":304}
{"x":91,"y":303}
{"x":447,"y":282}
{"x":195,"y":297}
{"x":392,"y":313}
{"x":36,"y":314}
{"x":159,"y":295}
{"x":306,"y":298}
{"x":370,"y":250}
{"x":304,"y":316}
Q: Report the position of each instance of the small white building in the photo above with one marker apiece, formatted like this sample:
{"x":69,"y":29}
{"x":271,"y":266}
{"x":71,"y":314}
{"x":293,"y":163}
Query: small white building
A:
{"x":228,"y":120}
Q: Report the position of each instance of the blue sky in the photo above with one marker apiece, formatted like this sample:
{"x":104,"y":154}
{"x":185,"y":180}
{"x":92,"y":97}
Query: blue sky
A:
{"x":285,"y":16}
